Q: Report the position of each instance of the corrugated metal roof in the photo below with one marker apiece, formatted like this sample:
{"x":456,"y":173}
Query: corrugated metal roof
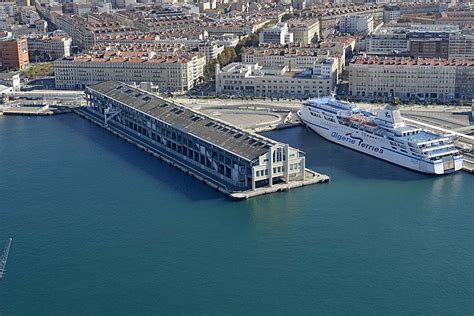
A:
{"x":223,"y":135}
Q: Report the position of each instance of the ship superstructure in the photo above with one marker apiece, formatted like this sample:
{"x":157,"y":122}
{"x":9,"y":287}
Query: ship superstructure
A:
{"x":384,"y":135}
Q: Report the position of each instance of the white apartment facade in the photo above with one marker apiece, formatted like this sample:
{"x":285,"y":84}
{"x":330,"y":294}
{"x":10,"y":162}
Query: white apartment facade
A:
{"x":391,"y":13}
{"x":55,"y":46}
{"x":304,"y":31}
{"x":386,"y":42}
{"x":171,"y":74}
{"x":356,"y":24}
{"x":7,"y":9}
{"x":390,"y":40}
{"x":291,"y":61}
{"x":210,"y":50}
{"x":255,"y":80}
{"x":411,"y":79}
{"x":461,"y":46}
{"x":277,"y":34}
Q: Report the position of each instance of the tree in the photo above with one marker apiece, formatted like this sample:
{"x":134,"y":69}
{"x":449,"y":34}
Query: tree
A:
{"x":210,"y":69}
{"x":287,"y":16}
{"x":404,"y":20}
{"x":249,"y":41}
{"x":227,"y":56}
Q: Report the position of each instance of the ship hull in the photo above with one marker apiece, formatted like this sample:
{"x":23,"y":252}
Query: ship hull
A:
{"x":356,"y":140}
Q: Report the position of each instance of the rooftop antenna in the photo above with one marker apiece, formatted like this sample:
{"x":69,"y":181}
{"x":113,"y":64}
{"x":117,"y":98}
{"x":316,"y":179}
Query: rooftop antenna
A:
{"x":3,"y":260}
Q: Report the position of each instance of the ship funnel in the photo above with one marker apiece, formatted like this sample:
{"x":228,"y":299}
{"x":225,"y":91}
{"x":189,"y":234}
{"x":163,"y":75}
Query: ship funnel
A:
{"x":390,"y":116}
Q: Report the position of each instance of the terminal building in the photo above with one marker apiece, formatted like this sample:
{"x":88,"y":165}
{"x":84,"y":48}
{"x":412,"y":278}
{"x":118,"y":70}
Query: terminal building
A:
{"x":221,"y":155}
{"x":256,"y":80}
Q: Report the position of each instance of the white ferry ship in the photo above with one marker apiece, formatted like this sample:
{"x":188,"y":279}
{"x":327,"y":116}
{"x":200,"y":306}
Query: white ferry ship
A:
{"x":385,"y":135}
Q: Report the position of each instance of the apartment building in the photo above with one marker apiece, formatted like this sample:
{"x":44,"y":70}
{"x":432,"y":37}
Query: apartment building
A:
{"x":236,"y":27}
{"x":429,"y":45}
{"x":292,"y":57}
{"x":84,"y":31}
{"x":277,"y":34}
{"x":41,"y":26}
{"x":28,"y":15}
{"x":13,"y":53}
{"x":460,"y":18}
{"x":461,"y":46}
{"x":257,"y":80}
{"x":430,"y":41}
{"x":419,"y":79}
{"x":76,"y":27}
{"x":338,"y":46}
{"x":387,"y":41}
{"x":7,"y":9}
{"x":330,"y":16}
{"x":53,"y":46}
{"x":356,"y":24}
{"x":304,"y":31}
{"x":210,"y":50}
{"x":464,"y":88}
{"x":391,"y":13}
{"x":298,"y":4}
{"x":174,"y":74}
{"x":420,"y":7}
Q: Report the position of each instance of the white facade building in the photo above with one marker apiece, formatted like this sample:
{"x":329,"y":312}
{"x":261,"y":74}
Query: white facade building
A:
{"x":256,"y":80}
{"x":277,"y":34}
{"x":171,"y":74}
{"x":55,"y":46}
{"x":411,"y":79}
{"x":210,"y":50}
{"x":396,"y":40}
{"x":387,"y":41}
{"x":461,"y":46}
{"x":356,"y":24}
{"x":7,"y":9}
{"x":391,"y":13}
{"x":304,"y":31}
{"x":276,"y":58}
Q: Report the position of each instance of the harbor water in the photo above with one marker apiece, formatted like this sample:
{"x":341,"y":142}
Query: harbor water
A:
{"x":101,"y":227}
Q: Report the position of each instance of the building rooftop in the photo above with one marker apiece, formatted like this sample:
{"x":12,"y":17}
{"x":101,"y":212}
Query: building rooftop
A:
{"x":361,"y":60}
{"x":317,"y":11}
{"x":133,"y":57}
{"x":232,"y":139}
{"x":298,"y":22}
{"x":277,"y":50}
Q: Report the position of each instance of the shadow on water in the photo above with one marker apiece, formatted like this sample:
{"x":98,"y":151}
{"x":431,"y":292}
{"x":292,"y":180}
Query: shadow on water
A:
{"x":135,"y":157}
{"x":323,"y":155}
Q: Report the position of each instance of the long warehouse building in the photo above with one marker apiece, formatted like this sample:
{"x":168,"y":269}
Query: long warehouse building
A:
{"x":222,"y":155}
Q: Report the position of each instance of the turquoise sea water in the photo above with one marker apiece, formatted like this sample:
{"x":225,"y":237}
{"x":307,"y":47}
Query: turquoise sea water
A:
{"x":100,"y":227}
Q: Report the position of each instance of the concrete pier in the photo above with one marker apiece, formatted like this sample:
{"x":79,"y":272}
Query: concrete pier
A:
{"x":311,"y":177}
{"x":34,"y":110}
{"x":236,"y":162}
